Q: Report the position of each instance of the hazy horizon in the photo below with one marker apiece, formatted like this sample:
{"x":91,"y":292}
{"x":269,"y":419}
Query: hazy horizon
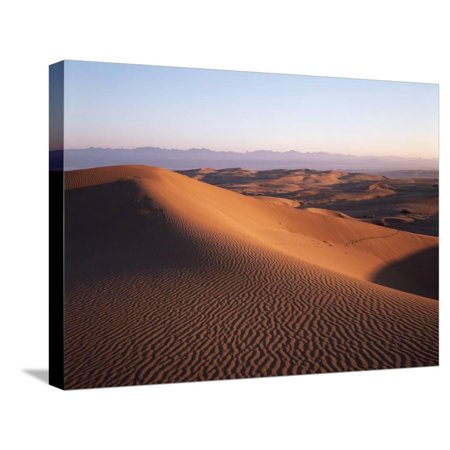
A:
{"x":127,"y":106}
{"x":175,"y":159}
{"x":243,"y":152}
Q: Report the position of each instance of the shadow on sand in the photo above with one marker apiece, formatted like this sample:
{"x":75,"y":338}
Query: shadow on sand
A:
{"x":417,"y":274}
{"x":111,"y":231}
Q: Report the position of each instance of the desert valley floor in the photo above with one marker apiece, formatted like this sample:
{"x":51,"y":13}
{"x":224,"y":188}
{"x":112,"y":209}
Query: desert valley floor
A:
{"x":170,"y":278}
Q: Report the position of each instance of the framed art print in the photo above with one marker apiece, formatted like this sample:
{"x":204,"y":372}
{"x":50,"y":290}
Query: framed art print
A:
{"x":211,"y":224}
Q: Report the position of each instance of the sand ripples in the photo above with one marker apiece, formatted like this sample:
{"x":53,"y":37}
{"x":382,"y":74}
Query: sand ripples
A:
{"x":229,"y":308}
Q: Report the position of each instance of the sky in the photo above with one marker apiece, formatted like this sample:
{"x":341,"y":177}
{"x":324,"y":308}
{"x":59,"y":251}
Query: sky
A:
{"x":128,"y":106}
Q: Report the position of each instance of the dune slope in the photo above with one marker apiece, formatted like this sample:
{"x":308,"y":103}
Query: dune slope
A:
{"x":368,"y":197}
{"x":170,"y":279}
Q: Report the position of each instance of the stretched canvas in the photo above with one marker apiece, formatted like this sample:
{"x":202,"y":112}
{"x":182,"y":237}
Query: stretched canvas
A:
{"x":210,"y":224}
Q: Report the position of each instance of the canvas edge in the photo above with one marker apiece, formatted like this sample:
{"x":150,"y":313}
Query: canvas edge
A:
{"x":56,"y":225}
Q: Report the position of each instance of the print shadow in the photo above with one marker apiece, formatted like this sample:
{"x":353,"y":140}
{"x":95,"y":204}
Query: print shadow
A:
{"x":39,"y":374}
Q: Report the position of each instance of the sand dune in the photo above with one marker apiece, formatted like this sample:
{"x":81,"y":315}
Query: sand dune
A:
{"x":172,"y":279}
{"x":373,"y":198}
{"x":328,"y":213}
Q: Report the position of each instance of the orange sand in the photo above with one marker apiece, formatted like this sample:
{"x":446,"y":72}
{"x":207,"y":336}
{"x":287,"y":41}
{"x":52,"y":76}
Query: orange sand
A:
{"x":172,"y":279}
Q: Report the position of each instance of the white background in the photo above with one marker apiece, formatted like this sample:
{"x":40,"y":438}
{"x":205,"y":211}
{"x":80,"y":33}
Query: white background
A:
{"x":394,"y":40}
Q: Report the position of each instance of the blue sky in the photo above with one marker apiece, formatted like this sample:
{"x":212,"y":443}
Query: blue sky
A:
{"x":127,"y":106}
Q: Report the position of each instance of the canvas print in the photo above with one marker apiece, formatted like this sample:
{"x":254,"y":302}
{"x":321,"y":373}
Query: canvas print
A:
{"x":211,"y":224}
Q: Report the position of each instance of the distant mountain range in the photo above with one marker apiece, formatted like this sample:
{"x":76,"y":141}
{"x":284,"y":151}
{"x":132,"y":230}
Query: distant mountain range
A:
{"x":258,"y":160}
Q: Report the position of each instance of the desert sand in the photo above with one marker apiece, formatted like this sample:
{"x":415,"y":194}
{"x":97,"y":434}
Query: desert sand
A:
{"x":404,"y":200}
{"x":171,"y":279}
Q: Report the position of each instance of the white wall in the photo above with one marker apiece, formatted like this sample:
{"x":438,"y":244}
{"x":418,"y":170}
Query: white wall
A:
{"x":394,"y":40}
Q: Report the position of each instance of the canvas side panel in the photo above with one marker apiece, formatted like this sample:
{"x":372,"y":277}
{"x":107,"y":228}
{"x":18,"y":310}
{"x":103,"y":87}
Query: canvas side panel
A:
{"x":56,"y":224}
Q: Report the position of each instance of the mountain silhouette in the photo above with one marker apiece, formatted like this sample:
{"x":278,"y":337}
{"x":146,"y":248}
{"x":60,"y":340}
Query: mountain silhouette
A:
{"x":193,"y":158}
